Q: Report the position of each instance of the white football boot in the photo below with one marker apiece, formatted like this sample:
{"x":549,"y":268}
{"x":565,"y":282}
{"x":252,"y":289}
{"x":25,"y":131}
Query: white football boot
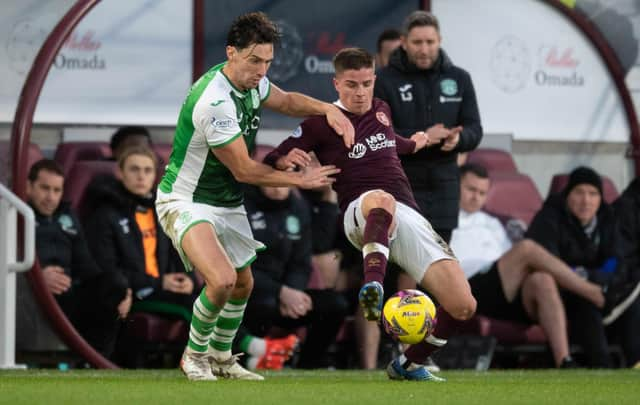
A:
{"x":231,"y":369}
{"x":195,"y":366}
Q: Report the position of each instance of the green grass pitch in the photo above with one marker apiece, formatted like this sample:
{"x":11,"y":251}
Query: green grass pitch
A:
{"x":295,"y":387}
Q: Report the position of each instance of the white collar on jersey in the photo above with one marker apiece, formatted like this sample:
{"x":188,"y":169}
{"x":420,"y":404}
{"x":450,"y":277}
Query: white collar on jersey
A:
{"x":339,"y":104}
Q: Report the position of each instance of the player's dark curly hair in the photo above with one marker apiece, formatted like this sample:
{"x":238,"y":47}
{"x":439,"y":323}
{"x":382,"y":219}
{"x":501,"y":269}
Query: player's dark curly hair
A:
{"x":352,"y":59}
{"x":252,"y":28}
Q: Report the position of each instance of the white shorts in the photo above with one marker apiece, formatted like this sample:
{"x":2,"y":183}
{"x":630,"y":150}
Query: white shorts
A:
{"x":413,"y":246}
{"x":230,"y":224}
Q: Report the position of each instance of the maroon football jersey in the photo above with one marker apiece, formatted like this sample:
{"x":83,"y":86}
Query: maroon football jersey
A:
{"x":372,"y":162}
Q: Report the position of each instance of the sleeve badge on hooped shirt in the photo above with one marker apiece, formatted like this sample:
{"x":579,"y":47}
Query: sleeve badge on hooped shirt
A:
{"x":382,"y":117}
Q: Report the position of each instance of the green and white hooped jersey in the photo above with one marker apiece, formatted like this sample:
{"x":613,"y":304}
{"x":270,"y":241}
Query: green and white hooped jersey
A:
{"x":214,"y":114}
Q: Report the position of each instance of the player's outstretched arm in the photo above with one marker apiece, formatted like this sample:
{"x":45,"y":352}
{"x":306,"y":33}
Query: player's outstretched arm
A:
{"x":235,"y":157}
{"x":299,"y":105}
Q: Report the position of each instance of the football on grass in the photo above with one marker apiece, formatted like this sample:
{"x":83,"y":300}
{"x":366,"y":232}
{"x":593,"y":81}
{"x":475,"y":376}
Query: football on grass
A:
{"x":408,"y":316}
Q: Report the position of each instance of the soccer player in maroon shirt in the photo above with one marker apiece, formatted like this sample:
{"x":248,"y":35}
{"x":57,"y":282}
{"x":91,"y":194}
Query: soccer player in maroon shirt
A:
{"x":381,"y":217}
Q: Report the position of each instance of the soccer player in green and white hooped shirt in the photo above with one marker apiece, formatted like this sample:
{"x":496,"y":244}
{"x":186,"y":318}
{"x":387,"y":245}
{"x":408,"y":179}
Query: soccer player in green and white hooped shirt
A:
{"x":199,"y":199}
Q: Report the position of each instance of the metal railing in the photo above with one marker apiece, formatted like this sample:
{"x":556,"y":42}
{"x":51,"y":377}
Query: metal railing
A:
{"x":10,"y":206}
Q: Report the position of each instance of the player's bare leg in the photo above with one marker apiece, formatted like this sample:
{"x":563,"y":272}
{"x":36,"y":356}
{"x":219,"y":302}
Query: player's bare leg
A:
{"x":446,"y":281}
{"x":378,"y":208}
{"x":204,"y":251}
{"x":527,"y":257}
{"x":541,"y":300}
{"x":368,"y":340}
{"x":223,"y":363}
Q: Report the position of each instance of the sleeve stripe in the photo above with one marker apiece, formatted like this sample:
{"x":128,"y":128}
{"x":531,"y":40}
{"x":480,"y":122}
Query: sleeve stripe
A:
{"x":228,"y":141}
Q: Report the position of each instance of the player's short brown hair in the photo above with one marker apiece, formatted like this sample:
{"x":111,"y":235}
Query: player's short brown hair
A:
{"x":352,"y":59}
{"x":137,"y":150}
{"x":252,"y":29}
{"x":419,"y":18}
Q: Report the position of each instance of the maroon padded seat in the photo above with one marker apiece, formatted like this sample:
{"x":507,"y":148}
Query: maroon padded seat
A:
{"x":513,"y":195}
{"x":494,"y":160}
{"x":153,"y":328}
{"x":80,"y":177}
{"x":505,"y":332}
{"x":559,"y":182}
{"x":163,"y":150}
{"x":33,"y":155}
{"x":70,"y":152}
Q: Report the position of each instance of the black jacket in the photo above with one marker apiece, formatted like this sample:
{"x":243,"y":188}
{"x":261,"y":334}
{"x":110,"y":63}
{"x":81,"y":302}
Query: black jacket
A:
{"x":60,"y":241}
{"x":116,"y":241}
{"x":627,"y":208}
{"x":285,"y":228}
{"x":420,"y":99}
{"x":556,"y":229}
{"x":324,"y":221}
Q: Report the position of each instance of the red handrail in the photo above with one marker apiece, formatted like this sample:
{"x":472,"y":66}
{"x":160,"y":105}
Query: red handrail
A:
{"x":20,"y":138}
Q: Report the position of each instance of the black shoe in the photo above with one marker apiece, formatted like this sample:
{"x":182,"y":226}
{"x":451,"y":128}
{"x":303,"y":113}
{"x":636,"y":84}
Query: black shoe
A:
{"x":618,"y":299}
{"x":569,"y":362}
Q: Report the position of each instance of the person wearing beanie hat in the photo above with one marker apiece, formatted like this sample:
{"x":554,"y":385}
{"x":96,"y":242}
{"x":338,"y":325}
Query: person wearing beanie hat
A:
{"x":580,"y":228}
{"x":583,"y":195}
{"x":584,"y":175}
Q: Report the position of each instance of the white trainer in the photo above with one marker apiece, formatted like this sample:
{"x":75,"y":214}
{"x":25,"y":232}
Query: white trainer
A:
{"x":231,"y":369}
{"x":196,"y":366}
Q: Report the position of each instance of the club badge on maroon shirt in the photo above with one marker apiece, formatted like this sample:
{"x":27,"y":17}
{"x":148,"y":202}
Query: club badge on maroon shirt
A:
{"x":382,"y":117}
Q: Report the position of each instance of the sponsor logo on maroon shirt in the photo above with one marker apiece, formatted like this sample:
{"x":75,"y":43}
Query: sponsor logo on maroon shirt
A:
{"x":357,"y":151}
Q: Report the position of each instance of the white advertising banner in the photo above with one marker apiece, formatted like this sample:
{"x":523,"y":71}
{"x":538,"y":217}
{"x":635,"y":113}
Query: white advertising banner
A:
{"x":536,"y":74}
{"x":127,"y":62}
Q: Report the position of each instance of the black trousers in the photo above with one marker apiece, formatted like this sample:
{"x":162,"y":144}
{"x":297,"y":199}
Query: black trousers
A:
{"x":587,"y":330}
{"x":624,"y":331}
{"x":322,"y":322}
{"x":92,"y":308}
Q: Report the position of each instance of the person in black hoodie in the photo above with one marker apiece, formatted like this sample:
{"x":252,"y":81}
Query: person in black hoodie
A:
{"x":580,"y":228}
{"x":282,"y":221}
{"x":627,"y":288}
{"x":427,"y":92}
{"x":94,"y":300}
{"x":124,"y":236}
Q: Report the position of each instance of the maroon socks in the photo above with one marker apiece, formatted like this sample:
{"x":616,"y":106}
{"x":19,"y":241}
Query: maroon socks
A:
{"x":446,"y":326}
{"x":375,"y":249}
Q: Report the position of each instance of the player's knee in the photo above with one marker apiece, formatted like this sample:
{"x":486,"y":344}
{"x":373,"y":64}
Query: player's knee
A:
{"x":464,"y":308}
{"x":541,"y":283}
{"x":244,"y":283}
{"x":527,"y":247}
{"x":382,"y":199}
{"x":220,"y":281}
